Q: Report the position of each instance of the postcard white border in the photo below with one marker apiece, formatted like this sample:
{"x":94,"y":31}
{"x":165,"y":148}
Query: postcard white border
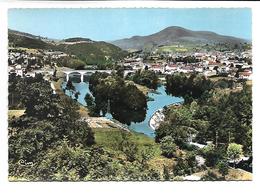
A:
{"x":128,"y":187}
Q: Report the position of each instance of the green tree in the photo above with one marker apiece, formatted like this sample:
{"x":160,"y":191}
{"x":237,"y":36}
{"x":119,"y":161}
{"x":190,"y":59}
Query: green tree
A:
{"x":127,"y":103}
{"x":212,"y":155}
{"x":128,"y":147}
{"x":168,"y":147}
{"x":90,"y":101}
{"x":70,"y":87}
{"x":146,"y":154}
{"x":234,"y":151}
{"x":223,"y":168}
{"x":166,"y":173}
{"x":146,"y":78}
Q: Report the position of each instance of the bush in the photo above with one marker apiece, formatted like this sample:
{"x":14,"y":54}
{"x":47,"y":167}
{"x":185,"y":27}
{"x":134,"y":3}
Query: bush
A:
{"x":168,"y":147}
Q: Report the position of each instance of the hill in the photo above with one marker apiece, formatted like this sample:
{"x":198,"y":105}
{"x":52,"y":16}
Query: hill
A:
{"x":20,"y":39}
{"x":78,"y":39}
{"x":87,"y":50}
{"x":175,"y":35}
{"x":93,"y":52}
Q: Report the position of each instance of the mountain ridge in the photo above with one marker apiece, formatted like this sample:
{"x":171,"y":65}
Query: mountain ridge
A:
{"x":87,"y":50}
{"x":175,"y":34}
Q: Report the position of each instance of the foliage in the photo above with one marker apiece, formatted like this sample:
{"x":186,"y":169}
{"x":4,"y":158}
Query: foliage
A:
{"x":181,"y":168}
{"x":166,"y":173}
{"x":129,"y":148}
{"x":234,"y":151}
{"x":221,"y":118}
{"x":127,"y":103}
{"x":70,"y":87}
{"x":223,"y":168}
{"x":146,"y":78}
{"x":190,"y":87}
{"x":93,"y":52}
{"x":27,"y":42}
{"x":70,"y":62}
{"x":178,"y":124}
{"x":210,"y":176}
{"x":38,"y":98}
{"x":212,"y":155}
{"x":48,"y":119}
{"x":168,"y":147}
{"x":90,"y":101}
{"x":229,"y":117}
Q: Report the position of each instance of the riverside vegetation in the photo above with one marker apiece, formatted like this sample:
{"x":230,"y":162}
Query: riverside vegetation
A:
{"x":51,"y":142}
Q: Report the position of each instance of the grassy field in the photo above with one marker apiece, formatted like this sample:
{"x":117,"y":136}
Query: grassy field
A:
{"x":175,"y":48}
{"x":110,"y":139}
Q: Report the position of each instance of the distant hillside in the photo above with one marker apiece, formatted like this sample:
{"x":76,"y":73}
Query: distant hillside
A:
{"x":175,"y":35}
{"x":78,"y":39}
{"x":87,"y":50}
{"x":93,"y":52}
{"x":19,"y":39}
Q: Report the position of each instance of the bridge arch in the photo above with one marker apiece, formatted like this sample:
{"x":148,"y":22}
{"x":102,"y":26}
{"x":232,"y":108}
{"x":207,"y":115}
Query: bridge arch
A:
{"x":71,"y":73}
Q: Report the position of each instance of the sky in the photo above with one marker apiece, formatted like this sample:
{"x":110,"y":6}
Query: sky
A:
{"x":112,"y":24}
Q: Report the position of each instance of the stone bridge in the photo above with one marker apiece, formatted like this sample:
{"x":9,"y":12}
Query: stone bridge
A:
{"x":68,"y":72}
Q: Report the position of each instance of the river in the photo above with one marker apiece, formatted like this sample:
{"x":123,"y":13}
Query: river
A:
{"x":160,"y":99}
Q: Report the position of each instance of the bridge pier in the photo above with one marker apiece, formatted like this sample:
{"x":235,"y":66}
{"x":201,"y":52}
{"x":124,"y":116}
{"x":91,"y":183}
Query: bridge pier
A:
{"x":67,"y":77}
{"x":81,"y":77}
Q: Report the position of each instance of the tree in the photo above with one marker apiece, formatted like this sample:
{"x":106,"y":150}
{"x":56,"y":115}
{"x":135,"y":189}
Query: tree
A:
{"x":146,"y":154}
{"x":191,"y":160}
{"x":234,"y":152}
{"x":190,"y":87}
{"x":181,"y":168}
{"x":166,"y":173}
{"x":70,"y":87}
{"x":80,"y":134}
{"x":77,"y":95}
{"x":90,"y":101}
{"x":120,"y":71}
{"x":146,"y":78}
{"x":223,"y":168}
{"x":168,"y":147}
{"x":127,"y":103}
{"x":128,"y":147}
{"x":178,"y":124}
{"x":212,"y":155}
{"x":38,"y":98}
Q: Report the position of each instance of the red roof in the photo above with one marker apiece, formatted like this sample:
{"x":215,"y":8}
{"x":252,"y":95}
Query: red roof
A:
{"x":172,"y":65}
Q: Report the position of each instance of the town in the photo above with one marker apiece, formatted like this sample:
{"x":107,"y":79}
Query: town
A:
{"x":234,"y":65}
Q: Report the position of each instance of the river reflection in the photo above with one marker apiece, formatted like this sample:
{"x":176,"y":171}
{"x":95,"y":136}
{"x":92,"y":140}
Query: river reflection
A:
{"x":160,"y":99}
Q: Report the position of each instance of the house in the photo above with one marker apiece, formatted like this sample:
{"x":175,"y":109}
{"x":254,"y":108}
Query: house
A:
{"x":199,"y":69}
{"x":171,"y":67}
{"x":210,"y":72}
{"x":247,"y":75}
{"x":186,"y":69}
{"x":18,"y":70}
{"x":158,"y":68}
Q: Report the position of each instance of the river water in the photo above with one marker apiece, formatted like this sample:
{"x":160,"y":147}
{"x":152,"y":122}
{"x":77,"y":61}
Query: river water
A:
{"x":160,"y":99}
